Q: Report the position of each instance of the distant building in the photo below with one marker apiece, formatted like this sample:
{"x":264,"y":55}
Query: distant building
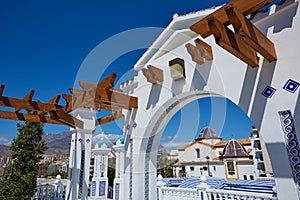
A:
{"x":231,"y":159}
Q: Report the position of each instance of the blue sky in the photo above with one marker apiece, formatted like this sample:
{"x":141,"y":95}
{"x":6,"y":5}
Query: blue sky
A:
{"x":44,"y":43}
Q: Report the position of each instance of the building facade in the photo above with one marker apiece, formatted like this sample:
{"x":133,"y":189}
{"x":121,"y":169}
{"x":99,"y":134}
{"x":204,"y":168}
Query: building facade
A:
{"x":232,"y":159}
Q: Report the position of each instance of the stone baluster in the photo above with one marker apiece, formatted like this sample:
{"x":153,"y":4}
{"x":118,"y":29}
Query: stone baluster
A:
{"x":202,"y":188}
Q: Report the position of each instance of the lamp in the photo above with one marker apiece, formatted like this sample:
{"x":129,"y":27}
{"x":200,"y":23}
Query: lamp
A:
{"x":177,"y":68}
{"x":207,"y":160}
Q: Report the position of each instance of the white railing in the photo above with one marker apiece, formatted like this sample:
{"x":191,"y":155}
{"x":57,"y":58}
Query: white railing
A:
{"x":203,"y":192}
{"x":214,"y":194}
{"x":50,"y":192}
{"x":170,"y":193}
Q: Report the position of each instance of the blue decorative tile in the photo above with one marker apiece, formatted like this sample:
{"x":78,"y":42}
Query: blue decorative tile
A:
{"x":291,"y":86}
{"x":292,"y":145}
{"x":134,"y":125}
{"x":93,"y":188}
{"x":268,"y":91}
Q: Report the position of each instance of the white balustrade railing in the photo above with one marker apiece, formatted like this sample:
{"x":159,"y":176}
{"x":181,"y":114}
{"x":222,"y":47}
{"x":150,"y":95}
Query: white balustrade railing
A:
{"x":215,"y":194}
{"x":203,"y":192}
{"x":50,"y":192}
{"x":171,"y":193}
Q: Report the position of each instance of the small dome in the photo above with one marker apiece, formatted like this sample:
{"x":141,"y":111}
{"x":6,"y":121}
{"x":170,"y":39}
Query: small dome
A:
{"x":234,"y":149}
{"x":101,"y":144}
{"x":121,"y":140}
{"x":207,"y":133}
{"x":101,"y":139}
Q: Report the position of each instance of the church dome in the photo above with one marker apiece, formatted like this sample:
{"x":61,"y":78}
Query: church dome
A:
{"x":207,"y":133}
{"x":121,"y":140}
{"x":234,"y":149}
{"x":101,"y":139}
{"x":102,"y":143}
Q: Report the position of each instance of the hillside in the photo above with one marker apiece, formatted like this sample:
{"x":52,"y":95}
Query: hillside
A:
{"x":4,"y":151}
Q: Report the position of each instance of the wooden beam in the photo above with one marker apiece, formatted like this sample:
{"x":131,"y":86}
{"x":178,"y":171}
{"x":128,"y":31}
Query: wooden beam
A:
{"x":29,"y":96}
{"x":69,"y":104}
{"x":109,"y":118}
{"x":195,"y":54}
{"x":116,"y":98}
{"x":245,"y":7}
{"x":107,"y":106}
{"x":106,"y":83}
{"x":27,"y":117}
{"x":54,"y":100}
{"x":153,"y":74}
{"x":206,"y":50}
{"x":158,"y":73}
{"x":1,"y":89}
{"x":233,"y":43}
{"x":66,"y":119}
{"x":251,"y":35}
{"x":27,"y":105}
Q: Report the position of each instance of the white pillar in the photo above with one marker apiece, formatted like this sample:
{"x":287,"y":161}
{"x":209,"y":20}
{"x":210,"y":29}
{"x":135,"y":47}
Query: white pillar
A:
{"x":119,"y":149}
{"x":202,"y":188}
{"x":80,"y":154}
{"x":160,"y":184}
{"x":99,"y":187}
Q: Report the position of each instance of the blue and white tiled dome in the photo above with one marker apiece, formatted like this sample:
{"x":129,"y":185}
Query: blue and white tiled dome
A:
{"x":121,"y":140}
{"x":101,"y":143}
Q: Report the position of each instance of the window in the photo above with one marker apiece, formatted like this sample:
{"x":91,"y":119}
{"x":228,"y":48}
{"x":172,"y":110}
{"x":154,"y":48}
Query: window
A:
{"x":183,"y":168}
{"x":192,"y":168}
{"x":205,"y":168}
{"x":230,"y":167}
{"x":251,"y":177}
{"x":214,"y":168}
{"x":245,"y":177}
{"x":198,"y":153}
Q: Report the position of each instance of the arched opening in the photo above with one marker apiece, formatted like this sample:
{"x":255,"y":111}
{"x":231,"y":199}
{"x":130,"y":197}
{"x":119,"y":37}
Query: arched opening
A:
{"x":183,"y":153}
{"x":159,"y":121}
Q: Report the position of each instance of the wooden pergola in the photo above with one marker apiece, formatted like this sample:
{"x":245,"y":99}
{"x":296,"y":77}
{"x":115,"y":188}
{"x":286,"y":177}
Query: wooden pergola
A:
{"x":101,"y":96}
{"x":246,"y":40}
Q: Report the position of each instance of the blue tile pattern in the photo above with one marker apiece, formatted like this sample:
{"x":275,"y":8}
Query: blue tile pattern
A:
{"x":93,"y":188}
{"x":130,"y":170}
{"x":291,"y":86}
{"x":292,"y":144}
{"x":268,"y":91}
{"x":81,"y":174}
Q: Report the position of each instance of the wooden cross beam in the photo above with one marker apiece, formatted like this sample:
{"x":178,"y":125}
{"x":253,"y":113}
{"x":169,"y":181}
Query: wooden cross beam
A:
{"x":233,"y":43}
{"x":109,"y":118}
{"x":100,"y":96}
{"x":201,"y":52}
{"x":27,"y":117}
{"x":153,"y":74}
{"x":251,"y":35}
{"x":246,"y":40}
{"x":245,"y":7}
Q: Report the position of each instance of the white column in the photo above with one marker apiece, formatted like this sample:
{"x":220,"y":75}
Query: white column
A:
{"x":160,"y":184}
{"x":99,"y":187}
{"x":119,"y":148}
{"x":202,"y":188}
{"x":80,"y":154}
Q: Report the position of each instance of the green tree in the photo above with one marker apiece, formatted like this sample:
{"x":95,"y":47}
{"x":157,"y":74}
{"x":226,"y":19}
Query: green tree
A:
{"x":164,"y":165}
{"x":19,"y":182}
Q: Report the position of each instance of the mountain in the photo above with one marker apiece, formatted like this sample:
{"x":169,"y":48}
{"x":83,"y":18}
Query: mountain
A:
{"x":58,"y":144}
{"x":60,"y":140}
{"x":4,"y":151}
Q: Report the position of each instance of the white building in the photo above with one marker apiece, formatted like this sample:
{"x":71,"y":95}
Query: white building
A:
{"x":231,"y":159}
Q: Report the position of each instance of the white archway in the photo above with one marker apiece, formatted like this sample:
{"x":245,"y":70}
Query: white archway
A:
{"x":260,"y":92}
